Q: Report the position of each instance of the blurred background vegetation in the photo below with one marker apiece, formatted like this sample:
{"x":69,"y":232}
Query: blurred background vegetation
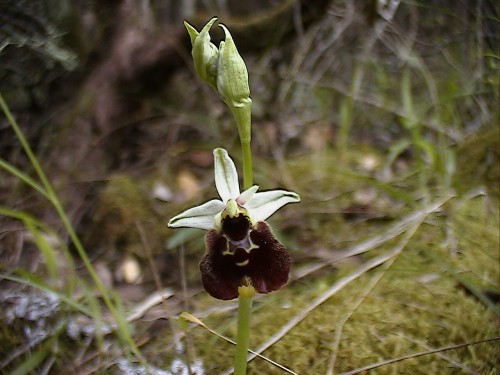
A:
{"x":382,"y":115}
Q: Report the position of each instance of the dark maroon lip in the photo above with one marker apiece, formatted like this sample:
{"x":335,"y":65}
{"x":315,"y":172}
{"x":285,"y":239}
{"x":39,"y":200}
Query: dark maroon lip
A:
{"x":234,"y":258}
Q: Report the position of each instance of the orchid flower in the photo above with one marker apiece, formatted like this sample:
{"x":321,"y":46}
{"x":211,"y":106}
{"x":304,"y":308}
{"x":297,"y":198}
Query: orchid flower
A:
{"x":241,"y":249}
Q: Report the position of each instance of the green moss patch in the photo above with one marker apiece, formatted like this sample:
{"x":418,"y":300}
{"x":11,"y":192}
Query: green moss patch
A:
{"x":419,"y":304}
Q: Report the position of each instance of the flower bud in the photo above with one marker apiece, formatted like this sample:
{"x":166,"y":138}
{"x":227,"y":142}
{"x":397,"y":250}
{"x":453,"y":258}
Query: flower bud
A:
{"x":232,"y":84}
{"x":232,"y":77}
{"x":205,"y":53}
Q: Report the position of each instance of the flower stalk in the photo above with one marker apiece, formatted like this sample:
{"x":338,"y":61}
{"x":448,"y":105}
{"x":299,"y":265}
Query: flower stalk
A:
{"x":246,"y":151}
{"x":245,"y":300}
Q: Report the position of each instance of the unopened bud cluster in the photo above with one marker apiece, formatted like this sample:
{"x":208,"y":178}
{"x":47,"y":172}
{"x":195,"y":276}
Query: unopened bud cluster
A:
{"x":224,"y":69}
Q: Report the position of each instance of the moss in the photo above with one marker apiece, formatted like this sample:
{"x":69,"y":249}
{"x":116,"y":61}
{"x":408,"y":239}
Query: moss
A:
{"x":123,"y":205}
{"x":479,"y":160}
{"x":416,"y":302}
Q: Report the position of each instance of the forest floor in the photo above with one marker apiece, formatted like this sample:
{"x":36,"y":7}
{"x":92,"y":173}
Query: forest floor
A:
{"x":386,"y":128}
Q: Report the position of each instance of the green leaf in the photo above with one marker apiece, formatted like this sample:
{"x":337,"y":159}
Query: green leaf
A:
{"x":409,"y":120}
{"x":23,"y":177}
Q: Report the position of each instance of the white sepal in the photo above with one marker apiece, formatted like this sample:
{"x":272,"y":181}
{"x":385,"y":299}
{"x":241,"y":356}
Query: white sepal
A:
{"x":226,"y":176}
{"x":201,"y":216}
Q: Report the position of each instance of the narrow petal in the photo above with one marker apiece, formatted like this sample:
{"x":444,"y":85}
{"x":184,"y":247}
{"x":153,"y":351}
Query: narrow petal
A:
{"x":226,"y":176}
{"x":247,"y":195}
{"x":264,"y":204}
{"x":201,"y":217}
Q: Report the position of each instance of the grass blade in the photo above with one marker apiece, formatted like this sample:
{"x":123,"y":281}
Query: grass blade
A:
{"x":23,"y":177}
{"x":34,"y":360}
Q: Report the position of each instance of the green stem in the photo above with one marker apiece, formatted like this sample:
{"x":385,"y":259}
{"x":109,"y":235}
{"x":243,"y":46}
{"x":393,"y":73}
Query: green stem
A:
{"x":243,"y":335}
{"x":246,"y":292}
{"x":242,"y":112}
{"x":243,"y":117}
{"x":247,"y":165}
